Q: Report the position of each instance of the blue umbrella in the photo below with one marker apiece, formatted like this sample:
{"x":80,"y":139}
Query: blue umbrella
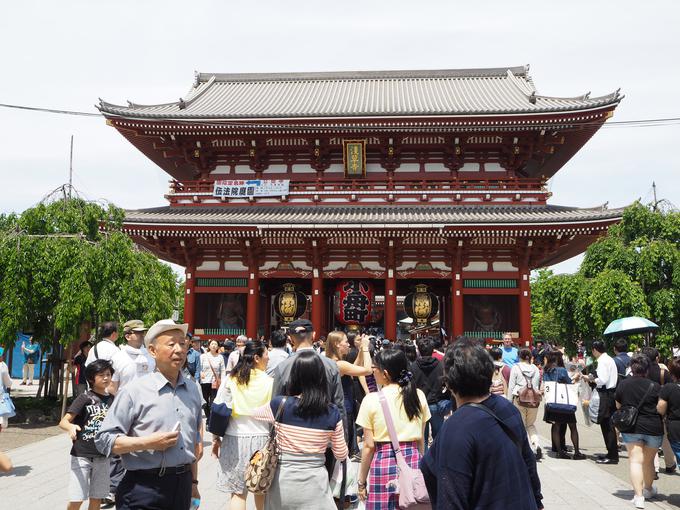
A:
{"x":630,"y":326}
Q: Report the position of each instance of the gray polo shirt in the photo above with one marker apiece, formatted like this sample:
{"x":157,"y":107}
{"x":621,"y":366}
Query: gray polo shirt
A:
{"x":150,"y":404}
{"x":281,"y":377}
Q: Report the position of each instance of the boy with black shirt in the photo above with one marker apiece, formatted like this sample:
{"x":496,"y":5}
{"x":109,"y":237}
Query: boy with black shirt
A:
{"x":89,"y":469}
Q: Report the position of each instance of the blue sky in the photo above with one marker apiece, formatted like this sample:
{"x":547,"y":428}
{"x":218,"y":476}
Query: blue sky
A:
{"x":67,"y":54}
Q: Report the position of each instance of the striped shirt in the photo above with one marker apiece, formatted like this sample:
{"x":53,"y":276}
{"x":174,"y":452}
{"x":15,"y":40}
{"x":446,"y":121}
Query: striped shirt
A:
{"x":305,"y":435}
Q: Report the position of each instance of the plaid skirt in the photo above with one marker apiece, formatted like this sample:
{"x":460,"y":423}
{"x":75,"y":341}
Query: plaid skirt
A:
{"x":381,"y":493}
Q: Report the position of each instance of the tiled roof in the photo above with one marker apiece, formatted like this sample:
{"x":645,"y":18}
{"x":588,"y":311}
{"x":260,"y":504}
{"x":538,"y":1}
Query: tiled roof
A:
{"x":357,"y":94}
{"x":367,"y":216}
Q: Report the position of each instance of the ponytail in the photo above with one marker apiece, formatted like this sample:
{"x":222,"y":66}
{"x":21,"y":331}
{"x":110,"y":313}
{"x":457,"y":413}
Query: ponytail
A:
{"x":246,"y":361}
{"x":395,"y":363}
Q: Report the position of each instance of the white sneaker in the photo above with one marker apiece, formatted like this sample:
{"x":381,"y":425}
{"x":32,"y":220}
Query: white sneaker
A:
{"x":639,"y":501}
{"x":649,"y":493}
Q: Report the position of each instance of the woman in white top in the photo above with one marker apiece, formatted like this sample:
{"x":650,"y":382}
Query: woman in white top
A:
{"x":248,"y":388}
{"x":5,"y":385}
{"x":212,"y":370}
{"x":522,"y":374}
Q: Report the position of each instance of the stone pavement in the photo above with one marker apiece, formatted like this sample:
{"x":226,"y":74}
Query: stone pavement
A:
{"x":40,"y":481}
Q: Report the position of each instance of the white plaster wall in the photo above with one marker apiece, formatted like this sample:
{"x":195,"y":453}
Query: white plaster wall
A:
{"x":503,"y":266}
{"x":234,"y":265}
{"x":476,"y":266}
{"x":209,"y":265}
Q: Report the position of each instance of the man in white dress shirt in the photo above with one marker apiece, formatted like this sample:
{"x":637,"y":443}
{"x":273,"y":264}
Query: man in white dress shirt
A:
{"x":607,"y":377}
{"x":106,"y":348}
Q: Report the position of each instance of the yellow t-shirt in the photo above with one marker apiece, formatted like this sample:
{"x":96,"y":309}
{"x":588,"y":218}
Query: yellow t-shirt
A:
{"x":371,"y":415}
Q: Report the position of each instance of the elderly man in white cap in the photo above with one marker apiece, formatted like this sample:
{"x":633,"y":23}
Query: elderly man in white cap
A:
{"x":155,"y":425}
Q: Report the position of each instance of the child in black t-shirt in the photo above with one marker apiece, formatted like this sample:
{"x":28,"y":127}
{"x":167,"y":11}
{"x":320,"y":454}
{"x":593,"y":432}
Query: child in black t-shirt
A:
{"x":89,"y":469}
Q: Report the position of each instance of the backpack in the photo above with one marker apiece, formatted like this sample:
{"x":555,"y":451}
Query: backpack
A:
{"x":497,"y":386}
{"x":528,"y":396}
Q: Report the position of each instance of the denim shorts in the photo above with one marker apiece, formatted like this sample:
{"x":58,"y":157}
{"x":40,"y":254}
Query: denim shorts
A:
{"x":646,"y":439}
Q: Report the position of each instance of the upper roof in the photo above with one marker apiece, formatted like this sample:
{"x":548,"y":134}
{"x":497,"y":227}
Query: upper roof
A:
{"x":367,"y":216}
{"x":506,"y":90}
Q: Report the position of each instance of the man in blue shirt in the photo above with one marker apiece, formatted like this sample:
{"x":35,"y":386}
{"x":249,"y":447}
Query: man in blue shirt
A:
{"x":194,"y":357}
{"x":481,"y":457}
{"x":31,"y":354}
{"x":510,"y":352}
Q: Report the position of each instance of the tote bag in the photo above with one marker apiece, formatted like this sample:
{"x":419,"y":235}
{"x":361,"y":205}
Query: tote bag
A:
{"x":560,"y":397}
{"x":7,"y":409}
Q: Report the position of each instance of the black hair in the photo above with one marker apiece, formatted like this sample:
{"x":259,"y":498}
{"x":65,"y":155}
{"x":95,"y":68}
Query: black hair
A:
{"x":525,"y":354}
{"x":639,"y":364}
{"x":84,"y":344}
{"x":599,"y":346}
{"x":552,"y":360}
{"x":410,"y":351}
{"x":308,"y":379}
{"x":394,"y":361}
{"x":436,"y":342}
{"x":496,"y":354}
{"x":108,"y":328}
{"x":98,"y":366}
{"x":425,"y":346}
{"x":621,"y":345}
{"x":674,"y":368}
{"x":246,"y":361}
{"x":468,"y":369}
{"x":351,"y":336}
{"x":278,"y":339}
{"x":651,"y":353}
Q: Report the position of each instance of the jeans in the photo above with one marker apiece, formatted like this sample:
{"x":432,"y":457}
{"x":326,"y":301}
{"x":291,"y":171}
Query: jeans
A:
{"x":438,"y":412}
{"x":675,"y":446}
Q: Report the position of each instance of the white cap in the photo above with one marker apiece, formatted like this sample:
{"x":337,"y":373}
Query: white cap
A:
{"x":161,"y":327}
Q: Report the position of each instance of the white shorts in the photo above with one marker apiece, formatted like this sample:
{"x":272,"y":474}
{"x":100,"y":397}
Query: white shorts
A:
{"x":89,"y":478}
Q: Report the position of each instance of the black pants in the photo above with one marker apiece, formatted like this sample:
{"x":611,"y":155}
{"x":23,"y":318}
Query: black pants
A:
{"x":209,"y":395}
{"x":116,"y":472}
{"x":143,"y":491}
{"x":607,"y":407}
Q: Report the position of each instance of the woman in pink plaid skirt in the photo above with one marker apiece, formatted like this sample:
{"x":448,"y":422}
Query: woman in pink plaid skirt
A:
{"x":410,"y":412}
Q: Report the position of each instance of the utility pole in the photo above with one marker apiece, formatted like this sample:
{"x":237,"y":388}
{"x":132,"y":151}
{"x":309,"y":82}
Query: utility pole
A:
{"x":70,"y":171}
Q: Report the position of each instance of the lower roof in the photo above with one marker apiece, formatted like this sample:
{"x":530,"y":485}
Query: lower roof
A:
{"x":355,"y":216}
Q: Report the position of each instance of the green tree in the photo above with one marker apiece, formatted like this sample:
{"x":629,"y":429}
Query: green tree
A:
{"x":634,"y":270}
{"x":67,"y":263}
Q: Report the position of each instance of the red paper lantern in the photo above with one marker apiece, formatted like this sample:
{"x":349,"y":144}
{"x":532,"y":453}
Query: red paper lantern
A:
{"x":354,"y":302}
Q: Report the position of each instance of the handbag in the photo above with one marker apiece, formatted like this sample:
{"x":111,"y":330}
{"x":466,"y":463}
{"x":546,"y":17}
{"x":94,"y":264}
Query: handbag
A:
{"x":558,"y":399}
{"x":220,"y":412}
{"x":626,"y":417}
{"x":7,"y":409}
{"x":528,"y":396}
{"x":262,"y":465}
{"x":216,"y":380}
{"x":411,"y":484}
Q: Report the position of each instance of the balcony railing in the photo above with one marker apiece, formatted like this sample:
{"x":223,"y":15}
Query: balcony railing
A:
{"x":435,"y":190}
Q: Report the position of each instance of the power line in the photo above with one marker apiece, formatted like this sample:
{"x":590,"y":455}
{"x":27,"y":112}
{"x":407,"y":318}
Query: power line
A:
{"x":637,"y":123}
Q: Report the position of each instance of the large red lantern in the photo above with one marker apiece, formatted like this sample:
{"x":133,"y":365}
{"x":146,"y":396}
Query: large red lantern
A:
{"x":354,"y":302}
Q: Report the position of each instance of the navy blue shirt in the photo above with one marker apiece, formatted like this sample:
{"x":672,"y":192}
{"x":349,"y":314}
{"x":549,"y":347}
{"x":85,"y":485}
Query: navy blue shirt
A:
{"x":473,"y":463}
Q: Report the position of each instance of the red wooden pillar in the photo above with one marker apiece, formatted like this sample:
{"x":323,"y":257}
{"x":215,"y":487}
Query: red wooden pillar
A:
{"x":318,"y":301}
{"x":390,"y":313}
{"x":457,"y":322}
{"x":189,"y":297}
{"x":253,"y":304}
{"x":524,"y":306}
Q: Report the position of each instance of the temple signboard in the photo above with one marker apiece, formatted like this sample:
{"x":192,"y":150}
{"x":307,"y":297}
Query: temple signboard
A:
{"x":251,"y":188}
{"x":354,"y":157}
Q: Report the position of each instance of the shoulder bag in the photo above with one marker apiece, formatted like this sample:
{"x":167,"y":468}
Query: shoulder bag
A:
{"x":7,"y":409}
{"x":626,"y":417}
{"x":216,"y":380}
{"x":528,"y":396}
{"x":411,"y":485}
{"x":220,"y":412}
{"x":262,"y":466}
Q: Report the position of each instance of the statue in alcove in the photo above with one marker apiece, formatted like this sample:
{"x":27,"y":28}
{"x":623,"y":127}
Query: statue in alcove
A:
{"x":231,"y":312}
{"x":485,"y":315}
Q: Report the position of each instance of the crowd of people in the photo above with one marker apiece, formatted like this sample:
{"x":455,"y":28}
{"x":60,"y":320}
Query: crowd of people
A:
{"x":464,"y":417}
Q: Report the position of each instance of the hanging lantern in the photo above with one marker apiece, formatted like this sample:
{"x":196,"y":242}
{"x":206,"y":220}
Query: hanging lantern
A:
{"x":289,"y":304}
{"x":354,"y":302}
{"x":421,"y":305}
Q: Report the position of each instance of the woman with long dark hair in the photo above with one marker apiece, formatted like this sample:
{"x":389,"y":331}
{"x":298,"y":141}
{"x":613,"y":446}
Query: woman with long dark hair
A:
{"x":306,"y":423}
{"x":247,"y":387}
{"x":559,"y":421}
{"x":410,"y":413}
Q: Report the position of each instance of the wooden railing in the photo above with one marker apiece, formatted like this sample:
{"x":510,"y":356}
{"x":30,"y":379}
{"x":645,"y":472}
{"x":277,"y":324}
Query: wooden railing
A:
{"x":515,"y":189}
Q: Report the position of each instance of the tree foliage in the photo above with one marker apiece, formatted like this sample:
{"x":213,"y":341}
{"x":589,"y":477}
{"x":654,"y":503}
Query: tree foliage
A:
{"x":66,"y":263}
{"x":634,"y":270}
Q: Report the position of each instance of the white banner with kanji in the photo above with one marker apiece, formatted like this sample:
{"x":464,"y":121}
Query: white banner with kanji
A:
{"x":253,"y":188}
